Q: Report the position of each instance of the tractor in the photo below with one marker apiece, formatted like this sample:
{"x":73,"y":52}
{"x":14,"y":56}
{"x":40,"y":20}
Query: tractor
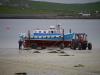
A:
{"x":80,"y":42}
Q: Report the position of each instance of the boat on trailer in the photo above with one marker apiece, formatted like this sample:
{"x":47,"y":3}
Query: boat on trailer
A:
{"x":53,"y":37}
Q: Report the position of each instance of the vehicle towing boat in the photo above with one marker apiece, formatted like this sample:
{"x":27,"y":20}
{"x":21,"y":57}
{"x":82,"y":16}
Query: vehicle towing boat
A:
{"x":55,"y":37}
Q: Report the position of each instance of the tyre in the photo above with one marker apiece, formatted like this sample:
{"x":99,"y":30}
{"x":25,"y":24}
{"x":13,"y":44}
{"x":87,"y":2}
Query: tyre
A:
{"x":79,"y":46}
{"x":34,"y":46}
{"x":84,"y":46}
{"x":61,"y":46}
{"x":43,"y":47}
{"x":73,"y":46}
{"x":89,"y":46}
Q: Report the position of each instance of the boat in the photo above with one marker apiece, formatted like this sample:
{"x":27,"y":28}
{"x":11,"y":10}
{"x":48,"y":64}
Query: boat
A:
{"x":54,"y":37}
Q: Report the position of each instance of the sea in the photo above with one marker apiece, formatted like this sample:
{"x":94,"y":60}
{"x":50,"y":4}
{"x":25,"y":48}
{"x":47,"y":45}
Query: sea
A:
{"x":10,"y":29}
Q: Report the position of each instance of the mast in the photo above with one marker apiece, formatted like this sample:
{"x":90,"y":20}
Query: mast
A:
{"x":62,"y":44}
{"x":63,"y":35}
{"x":29,"y":38}
{"x":70,"y":31}
{"x":29,"y":34}
{"x":58,"y":28}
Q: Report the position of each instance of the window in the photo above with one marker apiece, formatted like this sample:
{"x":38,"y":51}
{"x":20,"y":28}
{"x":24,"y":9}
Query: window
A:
{"x":44,"y":31}
{"x":39,"y":31}
{"x":40,"y":37}
{"x":44,"y":36}
{"x":35,"y":31}
{"x":48,"y":36}
{"x":51,"y":31}
{"x":54,"y":36}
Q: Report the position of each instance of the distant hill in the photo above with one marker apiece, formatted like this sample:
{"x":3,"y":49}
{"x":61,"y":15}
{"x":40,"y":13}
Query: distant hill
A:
{"x":48,"y":8}
{"x":65,"y":9}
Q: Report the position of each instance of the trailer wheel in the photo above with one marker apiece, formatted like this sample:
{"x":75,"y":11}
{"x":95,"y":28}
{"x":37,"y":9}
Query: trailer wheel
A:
{"x":43,"y":47}
{"x":61,"y":46}
{"x":79,"y":46}
{"x":89,"y":46}
{"x":74,"y":47}
{"x":34,"y":46}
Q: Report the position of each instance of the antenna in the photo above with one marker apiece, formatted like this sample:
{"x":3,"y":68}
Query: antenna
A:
{"x":58,"y":28}
{"x":70,"y":31}
{"x":29,"y":34}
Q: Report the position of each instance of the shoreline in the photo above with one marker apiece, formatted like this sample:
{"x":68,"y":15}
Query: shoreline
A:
{"x":44,"y":16}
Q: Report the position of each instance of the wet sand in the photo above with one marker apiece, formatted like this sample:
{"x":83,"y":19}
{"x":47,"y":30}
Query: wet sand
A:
{"x":65,"y":62}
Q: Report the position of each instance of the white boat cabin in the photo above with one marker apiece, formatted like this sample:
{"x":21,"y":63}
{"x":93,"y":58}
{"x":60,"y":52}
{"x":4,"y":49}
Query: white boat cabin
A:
{"x":51,"y":30}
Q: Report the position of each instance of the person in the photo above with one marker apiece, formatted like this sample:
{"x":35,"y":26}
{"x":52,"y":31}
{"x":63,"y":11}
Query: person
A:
{"x":22,"y":37}
{"x":20,"y":44}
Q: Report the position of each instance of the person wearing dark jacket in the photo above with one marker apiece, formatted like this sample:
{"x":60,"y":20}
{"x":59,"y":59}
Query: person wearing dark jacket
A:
{"x":20,"y":44}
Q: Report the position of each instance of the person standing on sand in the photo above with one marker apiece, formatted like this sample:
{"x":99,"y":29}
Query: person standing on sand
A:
{"x":21,"y":40}
{"x":20,"y":44}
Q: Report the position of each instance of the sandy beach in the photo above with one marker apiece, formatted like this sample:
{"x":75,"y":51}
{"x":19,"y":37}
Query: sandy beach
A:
{"x":62,"y":62}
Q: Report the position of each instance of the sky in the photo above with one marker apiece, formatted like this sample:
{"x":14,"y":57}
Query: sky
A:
{"x":69,"y":1}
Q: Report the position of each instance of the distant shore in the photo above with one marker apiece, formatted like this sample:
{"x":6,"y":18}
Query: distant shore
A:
{"x":44,"y":16}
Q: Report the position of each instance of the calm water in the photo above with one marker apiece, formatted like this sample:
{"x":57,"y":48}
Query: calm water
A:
{"x":9,"y":29}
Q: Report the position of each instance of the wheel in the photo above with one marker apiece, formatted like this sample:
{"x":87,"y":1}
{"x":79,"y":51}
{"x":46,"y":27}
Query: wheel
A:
{"x":74,"y":47}
{"x":89,"y":46}
{"x":34,"y":46}
{"x":84,"y":46}
{"x":61,"y":46}
{"x":40,"y":48}
{"x":79,"y":46}
{"x":43,"y":47}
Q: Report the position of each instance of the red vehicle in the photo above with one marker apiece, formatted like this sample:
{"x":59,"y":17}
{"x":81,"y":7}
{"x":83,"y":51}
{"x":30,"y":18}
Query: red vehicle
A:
{"x":80,"y":42}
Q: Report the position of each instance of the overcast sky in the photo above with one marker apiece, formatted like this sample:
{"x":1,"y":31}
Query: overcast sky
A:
{"x":70,"y":1}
